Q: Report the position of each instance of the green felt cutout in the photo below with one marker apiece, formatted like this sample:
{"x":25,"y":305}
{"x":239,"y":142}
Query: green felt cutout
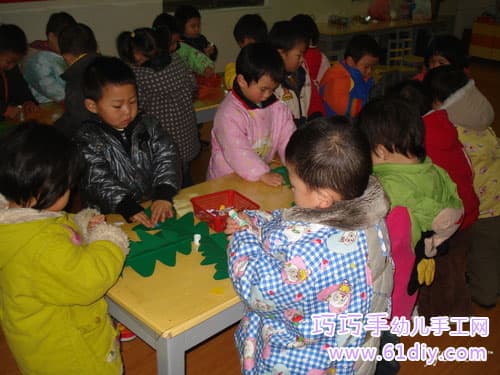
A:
{"x":172,"y":236}
{"x":284,"y":173}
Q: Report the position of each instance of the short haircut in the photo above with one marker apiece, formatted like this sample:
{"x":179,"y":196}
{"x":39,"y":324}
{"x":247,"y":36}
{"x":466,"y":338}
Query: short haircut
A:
{"x":77,"y":39}
{"x":38,"y":161}
{"x":105,"y":71}
{"x":250,"y":26}
{"x":415,"y":92}
{"x":146,"y":41}
{"x":58,"y":21}
{"x":184,"y":13}
{"x":13,"y":39}
{"x":331,"y":153}
{"x":361,"y":45}
{"x":258,"y":59}
{"x":395,"y":124}
{"x":449,"y":47}
{"x":309,"y":28}
{"x":284,"y":35}
{"x":444,"y":81}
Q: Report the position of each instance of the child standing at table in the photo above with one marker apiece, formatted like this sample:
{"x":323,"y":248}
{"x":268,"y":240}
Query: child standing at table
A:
{"x":128,"y":159}
{"x":325,"y":257}
{"x":315,"y":62}
{"x":55,"y":268}
{"x":250,"y":28}
{"x":251,"y":124}
{"x":472,"y":115}
{"x":43,"y":68}
{"x":346,"y":85}
{"x":449,"y":294}
{"x":166,"y":91}
{"x":189,"y":20}
{"x":295,"y":88}
{"x":170,"y":35}
{"x":78,"y":47}
{"x":15,"y":96}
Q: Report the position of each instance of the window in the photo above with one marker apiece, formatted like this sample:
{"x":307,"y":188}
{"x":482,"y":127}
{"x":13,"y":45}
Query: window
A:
{"x":170,"y":5}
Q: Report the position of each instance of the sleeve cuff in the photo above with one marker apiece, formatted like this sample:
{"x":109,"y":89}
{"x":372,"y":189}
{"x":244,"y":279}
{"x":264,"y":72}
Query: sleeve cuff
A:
{"x":164,"y":192}
{"x":128,"y":208}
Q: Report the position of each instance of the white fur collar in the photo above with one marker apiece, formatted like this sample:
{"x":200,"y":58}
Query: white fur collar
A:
{"x":22,"y":215}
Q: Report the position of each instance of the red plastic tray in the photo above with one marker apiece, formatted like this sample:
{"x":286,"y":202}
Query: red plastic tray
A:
{"x":227,"y":198}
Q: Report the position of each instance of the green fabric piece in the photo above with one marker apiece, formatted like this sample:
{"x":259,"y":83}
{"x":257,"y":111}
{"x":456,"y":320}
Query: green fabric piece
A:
{"x":162,"y":243}
{"x":283,"y":171}
{"x":214,"y":250}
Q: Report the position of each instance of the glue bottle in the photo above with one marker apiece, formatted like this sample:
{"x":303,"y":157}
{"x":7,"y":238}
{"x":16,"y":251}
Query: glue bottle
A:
{"x":234,"y":215}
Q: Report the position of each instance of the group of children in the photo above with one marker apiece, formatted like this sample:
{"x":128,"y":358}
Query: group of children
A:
{"x":388,"y":191}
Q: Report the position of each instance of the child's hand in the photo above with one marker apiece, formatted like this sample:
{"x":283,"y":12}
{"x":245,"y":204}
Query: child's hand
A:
{"x":160,"y":211}
{"x":143,"y":219}
{"x":209,"y":50}
{"x":12,"y":111}
{"x":233,"y":226}
{"x":30,"y":107}
{"x":96,"y":220}
{"x":272,"y":179}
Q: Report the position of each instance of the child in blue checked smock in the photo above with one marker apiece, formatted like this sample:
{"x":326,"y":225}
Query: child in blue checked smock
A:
{"x":327,"y":255}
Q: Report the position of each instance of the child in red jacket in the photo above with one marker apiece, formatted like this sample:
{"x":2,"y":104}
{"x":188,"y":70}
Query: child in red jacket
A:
{"x":449,"y":294}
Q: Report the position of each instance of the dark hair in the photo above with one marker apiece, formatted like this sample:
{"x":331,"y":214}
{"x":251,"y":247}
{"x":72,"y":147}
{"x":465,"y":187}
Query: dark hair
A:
{"x":415,"y":92}
{"x":450,"y":47}
{"x":444,"y":81}
{"x":258,"y":59}
{"x":13,"y":39}
{"x":58,"y":21}
{"x":77,"y":39}
{"x":147,"y":42}
{"x":331,"y":153}
{"x":184,"y":13}
{"x":284,"y":35}
{"x":104,"y":71}
{"x":361,"y":45}
{"x":38,"y":161}
{"x":387,"y":82}
{"x":165,"y":26}
{"x":250,"y":26}
{"x":309,"y":28}
{"x":395,"y":124}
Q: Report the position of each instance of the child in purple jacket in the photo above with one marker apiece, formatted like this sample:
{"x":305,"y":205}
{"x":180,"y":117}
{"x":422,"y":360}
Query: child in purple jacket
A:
{"x":251,"y":124}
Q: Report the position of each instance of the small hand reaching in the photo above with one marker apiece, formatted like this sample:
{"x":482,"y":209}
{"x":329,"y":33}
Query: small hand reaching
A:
{"x":161,"y":210}
{"x":96,"y":220}
{"x":272,"y":179}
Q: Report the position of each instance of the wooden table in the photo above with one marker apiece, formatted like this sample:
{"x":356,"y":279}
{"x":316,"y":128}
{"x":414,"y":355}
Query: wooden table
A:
{"x":48,"y":114}
{"x":179,"y":307}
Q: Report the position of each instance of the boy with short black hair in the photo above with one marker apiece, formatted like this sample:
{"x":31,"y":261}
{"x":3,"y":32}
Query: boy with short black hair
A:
{"x":128,"y":158}
{"x":346,"y":85}
{"x":250,"y":28}
{"x":43,"y":68}
{"x":78,"y":47}
{"x":251,"y":124}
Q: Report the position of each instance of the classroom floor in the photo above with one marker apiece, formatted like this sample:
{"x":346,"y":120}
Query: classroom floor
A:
{"x":218,"y":356}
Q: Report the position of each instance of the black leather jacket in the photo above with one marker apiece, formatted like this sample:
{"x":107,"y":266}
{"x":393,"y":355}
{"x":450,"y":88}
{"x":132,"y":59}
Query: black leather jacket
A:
{"x":125,"y":168}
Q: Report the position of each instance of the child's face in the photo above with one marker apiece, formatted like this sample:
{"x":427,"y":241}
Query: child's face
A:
{"x":365,"y":65}
{"x":294,"y":57}
{"x":117,"y":106}
{"x":9,"y":60}
{"x":257,"y":92}
{"x":304,"y":197}
{"x":437,"y":60}
{"x":192,"y":27}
